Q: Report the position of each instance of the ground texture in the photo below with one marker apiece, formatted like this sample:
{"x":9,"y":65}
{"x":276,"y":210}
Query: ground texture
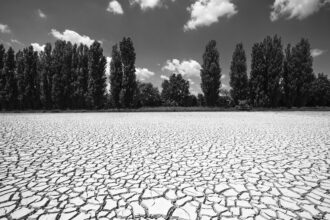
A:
{"x":165,"y":165}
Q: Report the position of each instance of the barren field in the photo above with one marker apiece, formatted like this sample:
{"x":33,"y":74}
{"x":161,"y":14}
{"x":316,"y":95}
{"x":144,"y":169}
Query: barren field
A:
{"x":235,"y":165}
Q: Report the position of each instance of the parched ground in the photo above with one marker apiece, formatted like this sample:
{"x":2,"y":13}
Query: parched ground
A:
{"x":237,"y":165}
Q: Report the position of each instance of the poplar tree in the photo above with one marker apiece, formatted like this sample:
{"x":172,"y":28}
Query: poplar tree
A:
{"x":11,"y":84}
{"x":32,"y":83}
{"x":20,"y":66}
{"x":211,"y":74}
{"x":57,"y":69}
{"x":129,"y":84}
{"x":274,"y":62}
{"x":46,"y":76}
{"x":116,"y":76}
{"x":96,"y":76}
{"x":82,"y":76}
{"x":258,"y":81}
{"x":302,"y":70}
{"x":238,"y":75}
{"x":266,"y":71}
{"x":74,"y":77}
{"x":288,"y":78}
{"x":2,"y":77}
{"x":66,"y":75}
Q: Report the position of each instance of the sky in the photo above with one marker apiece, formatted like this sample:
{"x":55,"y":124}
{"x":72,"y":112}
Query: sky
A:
{"x":169,"y":36}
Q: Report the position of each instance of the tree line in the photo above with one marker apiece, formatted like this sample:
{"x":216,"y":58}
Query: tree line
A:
{"x":278,"y":77}
{"x":71,"y":76}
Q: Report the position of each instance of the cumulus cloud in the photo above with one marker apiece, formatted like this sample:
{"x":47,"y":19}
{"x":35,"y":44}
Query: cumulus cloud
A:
{"x":146,"y":4}
{"x":143,"y":73}
{"x":164,"y":77}
{"x":115,"y":7}
{"x":4,"y":29}
{"x":191,"y":82}
{"x":41,"y":14}
{"x":193,"y":91}
{"x":207,"y":12}
{"x":107,"y":70}
{"x":225,"y":86}
{"x":186,"y":67}
{"x":38,"y":47}
{"x":17,"y":42}
{"x":317,"y":52}
{"x":299,"y":9}
{"x":72,"y":36}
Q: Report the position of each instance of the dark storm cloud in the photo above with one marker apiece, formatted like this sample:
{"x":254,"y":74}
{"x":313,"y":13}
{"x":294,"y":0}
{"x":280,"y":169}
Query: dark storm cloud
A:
{"x":164,"y":31}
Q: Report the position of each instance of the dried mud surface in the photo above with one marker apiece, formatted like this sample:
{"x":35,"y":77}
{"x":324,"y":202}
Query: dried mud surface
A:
{"x":228,"y":165}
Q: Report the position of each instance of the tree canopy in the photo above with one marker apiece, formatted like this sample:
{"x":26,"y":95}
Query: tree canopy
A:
{"x":71,"y":76}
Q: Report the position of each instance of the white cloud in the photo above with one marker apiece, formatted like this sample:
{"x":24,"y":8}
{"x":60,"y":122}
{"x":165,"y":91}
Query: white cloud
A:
{"x":4,"y":29}
{"x":317,"y":52}
{"x":17,"y":42}
{"x":207,"y":12}
{"x":115,"y":7}
{"x":164,"y":77}
{"x":191,"y":82}
{"x":225,"y":86}
{"x":146,"y":4}
{"x":193,"y":91}
{"x":41,"y":14}
{"x":72,"y":36}
{"x":38,"y":47}
{"x":186,"y":67}
{"x":107,"y":70}
{"x":299,"y":9}
{"x":143,"y":73}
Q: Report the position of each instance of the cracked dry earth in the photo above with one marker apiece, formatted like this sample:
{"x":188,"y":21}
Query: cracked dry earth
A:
{"x":229,"y":165}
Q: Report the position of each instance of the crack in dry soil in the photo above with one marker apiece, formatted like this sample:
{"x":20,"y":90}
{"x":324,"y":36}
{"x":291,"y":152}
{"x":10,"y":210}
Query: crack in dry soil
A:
{"x":165,"y":166}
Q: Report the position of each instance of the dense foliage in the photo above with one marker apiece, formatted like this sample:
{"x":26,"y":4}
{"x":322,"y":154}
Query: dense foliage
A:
{"x":148,"y":95}
{"x":266,"y":71}
{"x":175,"y":91}
{"x":129,"y":84}
{"x":71,"y":76}
{"x":238,"y":75}
{"x":211,"y":74}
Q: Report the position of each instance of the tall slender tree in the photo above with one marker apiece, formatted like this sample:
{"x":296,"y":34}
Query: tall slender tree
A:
{"x":116,"y":76}
{"x":11,"y":84}
{"x":129,"y":83}
{"x":287,"y":83}
{"x":31,"y":92}
{"x":266,"y":71}
{"x":66,"y":76}
{"x":2,"y":77}
{"x":302,"y":70}
{"x":211,"y":74}
{"x":82,"y":76}
{"x":46,"y":76}
{"x":57,"y":69}
{"x":257,"y":77}
{"x":20,"y":65}
{"x":96,"y":76}
{"x":74,"y":77}
{"x":238,"y":75}
{"x":274,"y":61}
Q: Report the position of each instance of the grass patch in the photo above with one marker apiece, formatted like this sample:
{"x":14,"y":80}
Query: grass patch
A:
{"x":172,"y":109}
